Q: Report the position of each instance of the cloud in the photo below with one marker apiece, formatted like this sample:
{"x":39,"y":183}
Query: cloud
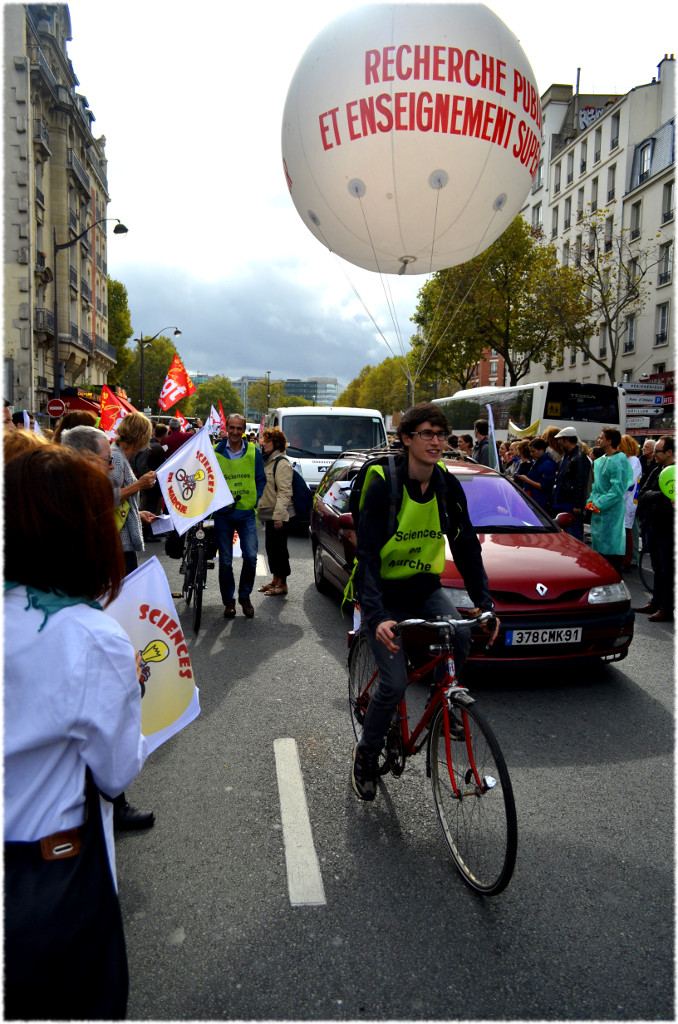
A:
{"x":266,"y":317}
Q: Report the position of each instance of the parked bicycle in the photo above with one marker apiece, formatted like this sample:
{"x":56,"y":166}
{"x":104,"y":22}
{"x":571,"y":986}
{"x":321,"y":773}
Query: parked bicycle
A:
{"x":200,"y":546}
{"x":471,"y":784}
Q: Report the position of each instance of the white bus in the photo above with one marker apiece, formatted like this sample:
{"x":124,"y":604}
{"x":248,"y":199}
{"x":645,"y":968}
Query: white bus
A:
{"x":317,"y":434}
{"x":531,"y":408}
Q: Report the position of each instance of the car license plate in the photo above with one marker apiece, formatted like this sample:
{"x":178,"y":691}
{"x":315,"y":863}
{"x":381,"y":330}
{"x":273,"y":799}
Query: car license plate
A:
{"x":539,"y":637}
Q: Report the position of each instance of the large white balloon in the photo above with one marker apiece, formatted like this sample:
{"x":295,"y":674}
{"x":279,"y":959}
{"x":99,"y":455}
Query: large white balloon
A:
{"x":411,"y":135}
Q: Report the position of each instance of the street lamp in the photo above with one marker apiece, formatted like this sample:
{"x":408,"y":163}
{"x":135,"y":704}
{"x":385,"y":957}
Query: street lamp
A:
{"x":146,"y":343}
{"x":268,"y":390}
{"x":119,"y":229}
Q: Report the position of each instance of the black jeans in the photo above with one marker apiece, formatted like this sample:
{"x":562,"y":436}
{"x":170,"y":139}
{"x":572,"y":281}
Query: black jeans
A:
{"x":393,"y":671}
{"x":276,"y":549}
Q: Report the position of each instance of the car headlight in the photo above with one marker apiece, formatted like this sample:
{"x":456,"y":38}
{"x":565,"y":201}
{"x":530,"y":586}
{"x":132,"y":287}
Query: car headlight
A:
{"x":611,"y":593}
{"x":460,"y":598}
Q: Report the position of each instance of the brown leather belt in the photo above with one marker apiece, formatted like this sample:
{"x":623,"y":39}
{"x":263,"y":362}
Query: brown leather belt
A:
{"x":61,"y":845}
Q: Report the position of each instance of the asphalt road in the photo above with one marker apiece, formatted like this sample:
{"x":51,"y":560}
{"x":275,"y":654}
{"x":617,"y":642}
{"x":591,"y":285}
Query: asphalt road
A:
{"x":584,"y":930}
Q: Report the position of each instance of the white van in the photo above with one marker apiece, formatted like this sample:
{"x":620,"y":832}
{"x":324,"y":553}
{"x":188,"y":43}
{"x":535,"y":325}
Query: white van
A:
{"x":317,"y":434}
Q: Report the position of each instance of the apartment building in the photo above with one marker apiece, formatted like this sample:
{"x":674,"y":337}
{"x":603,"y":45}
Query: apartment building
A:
{"x":55,"y":189}
{"x":613,"y":157}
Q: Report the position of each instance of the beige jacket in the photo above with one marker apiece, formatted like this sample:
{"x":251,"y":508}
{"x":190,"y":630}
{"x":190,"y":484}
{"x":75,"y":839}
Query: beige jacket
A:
{"x":276,"y":501}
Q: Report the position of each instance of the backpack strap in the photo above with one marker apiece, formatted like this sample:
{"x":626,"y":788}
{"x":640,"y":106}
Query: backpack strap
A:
{"x":393,"y":503}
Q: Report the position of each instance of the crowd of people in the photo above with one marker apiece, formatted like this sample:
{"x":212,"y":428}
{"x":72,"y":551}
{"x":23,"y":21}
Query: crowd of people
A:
{"x":76,"y":507}
{"x":613,"y":487}
{"x":76,"y":504}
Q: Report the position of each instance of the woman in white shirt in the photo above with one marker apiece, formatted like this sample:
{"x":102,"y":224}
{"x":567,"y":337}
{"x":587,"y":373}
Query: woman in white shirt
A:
{"x":72,"y":716}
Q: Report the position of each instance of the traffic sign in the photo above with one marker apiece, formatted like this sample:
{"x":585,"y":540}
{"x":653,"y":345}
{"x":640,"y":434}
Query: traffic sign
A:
{"x":56,"y":408}
{"x":644,"y":411}
{"x":641,"y":385}
{"x":638,"y":421}
{"x":636,"y":399}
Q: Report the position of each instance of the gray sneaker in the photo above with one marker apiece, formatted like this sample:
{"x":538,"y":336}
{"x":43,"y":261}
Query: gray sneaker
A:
{"x":364,"y":771}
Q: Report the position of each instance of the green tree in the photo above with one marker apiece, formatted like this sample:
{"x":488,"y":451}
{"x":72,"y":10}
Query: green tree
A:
{"x":158,"y":356}
{"x":262,"y":395}
{"x":385,"y":387}
{"x":294,"y":400}
{"x":515,"y":298}
{"x":350,"y":396}
{"x":614,"y":275}
{"x":208,"y":394}
{"x":119,"y":330}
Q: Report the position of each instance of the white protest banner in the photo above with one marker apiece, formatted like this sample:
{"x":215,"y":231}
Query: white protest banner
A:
{"x":145,"y":610}
{"x":192,"y":483}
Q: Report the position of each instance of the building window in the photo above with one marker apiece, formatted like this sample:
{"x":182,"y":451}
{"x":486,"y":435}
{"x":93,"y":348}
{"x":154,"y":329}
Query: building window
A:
{"x":493,"y":367}
{"x":609,"y":233}
{"x":570,"y":167}
{"x":539,"y":180}
{"x":594,"y":195}
{"x":630,"y":339}
{"x":577,"y":251}
{"x":645,"y":162}
{"x":614,"y":131}
{"x":611,"y":182}
{"x":635,"y":220}
{"x":662,"y":335}
{"x":602,"y":348}
{"x":597,"y":144}
{"x":582,"y":161}
{"x":566,"y":254}
{"x":556,"y":179}
{"x":554,"y":222}
{"x":537,"y":217}
{"x":568,"y":214}
{"x":668,"y":202}
{"x":665,"y":263}
{"x":573,"y":357}
{"x":580,"y":204}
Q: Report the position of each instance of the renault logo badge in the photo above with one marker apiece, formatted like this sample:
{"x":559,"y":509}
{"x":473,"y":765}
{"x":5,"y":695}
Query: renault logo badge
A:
{"x":541,"y":589}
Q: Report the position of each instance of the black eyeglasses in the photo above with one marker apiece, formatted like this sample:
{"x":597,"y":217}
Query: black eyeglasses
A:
{"x":428,"y":435}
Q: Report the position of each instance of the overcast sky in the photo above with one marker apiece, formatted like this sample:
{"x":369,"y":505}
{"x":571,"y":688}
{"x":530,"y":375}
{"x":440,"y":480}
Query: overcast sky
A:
{"x":190,"y":99}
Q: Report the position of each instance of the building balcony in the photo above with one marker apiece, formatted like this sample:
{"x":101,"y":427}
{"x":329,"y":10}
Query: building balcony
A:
{"x":73,"y":221}
{"x":665,"y":277}
{"x":661,"y":338}
{"x":667,"y":215}
{"x":42,"y":384}
{"x":81,"y":175}
{"x":44,"y":321}
{"x":85,"y":291}
{"x":41,"y":137}
{"x":40,"y":197}
{"x":105,"y":348}
{"x":73,"y":278}
{"x":39,"y":64}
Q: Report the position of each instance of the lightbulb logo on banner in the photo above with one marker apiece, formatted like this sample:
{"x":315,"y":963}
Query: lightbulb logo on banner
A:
{"x":145,"y":610}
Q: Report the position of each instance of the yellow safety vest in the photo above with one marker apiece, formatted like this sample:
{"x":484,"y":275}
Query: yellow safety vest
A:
{"x":239,"y":475}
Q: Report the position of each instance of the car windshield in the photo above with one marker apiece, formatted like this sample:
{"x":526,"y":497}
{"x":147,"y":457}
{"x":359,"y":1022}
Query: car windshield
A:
{"x":498,"y":506}
{"x":324,"y":435}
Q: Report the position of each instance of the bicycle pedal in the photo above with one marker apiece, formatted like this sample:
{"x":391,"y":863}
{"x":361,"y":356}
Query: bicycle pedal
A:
{"x":210,"y":565}
{"x":177,"y":595}
{"x":181,"y":570}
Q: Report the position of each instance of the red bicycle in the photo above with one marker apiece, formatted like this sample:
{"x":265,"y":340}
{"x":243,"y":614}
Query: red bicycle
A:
{"x":471,"y":784}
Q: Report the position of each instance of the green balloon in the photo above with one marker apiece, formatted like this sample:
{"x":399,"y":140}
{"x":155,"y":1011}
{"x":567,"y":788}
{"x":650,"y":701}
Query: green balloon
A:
{"x":667,"y":481}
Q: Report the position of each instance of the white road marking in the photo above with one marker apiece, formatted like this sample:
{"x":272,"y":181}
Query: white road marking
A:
{"x":262,"y":568}
{"x":304,"y":881}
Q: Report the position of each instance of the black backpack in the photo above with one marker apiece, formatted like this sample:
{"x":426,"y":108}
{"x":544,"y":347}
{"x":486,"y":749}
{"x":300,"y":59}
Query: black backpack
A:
{"x":391,"y":467}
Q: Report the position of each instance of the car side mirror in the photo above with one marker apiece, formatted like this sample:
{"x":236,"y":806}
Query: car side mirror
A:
{"x":346,"y":521}
{"x":565,"y":519}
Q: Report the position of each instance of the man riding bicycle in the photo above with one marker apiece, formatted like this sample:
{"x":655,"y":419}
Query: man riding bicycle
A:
{"x":398,"y":576}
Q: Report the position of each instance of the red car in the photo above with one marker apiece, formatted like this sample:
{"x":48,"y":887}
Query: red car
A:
{"x":556,"y":597}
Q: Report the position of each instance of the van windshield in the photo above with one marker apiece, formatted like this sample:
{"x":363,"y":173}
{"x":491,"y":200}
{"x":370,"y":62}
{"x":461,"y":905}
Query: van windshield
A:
{"x":323,"y":435}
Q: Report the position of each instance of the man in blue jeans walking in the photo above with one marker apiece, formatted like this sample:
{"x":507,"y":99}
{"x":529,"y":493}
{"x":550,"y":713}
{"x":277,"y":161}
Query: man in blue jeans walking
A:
{"x":243,"y":468}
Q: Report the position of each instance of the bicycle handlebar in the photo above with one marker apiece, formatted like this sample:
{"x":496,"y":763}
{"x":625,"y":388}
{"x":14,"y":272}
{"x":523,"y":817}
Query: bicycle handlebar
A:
{"x":437,"y":623}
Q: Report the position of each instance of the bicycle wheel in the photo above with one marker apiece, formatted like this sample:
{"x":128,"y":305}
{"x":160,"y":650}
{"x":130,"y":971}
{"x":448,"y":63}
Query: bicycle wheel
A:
{"x":362,"y":681}
{"x":645,"y":571}
{"x":479,"y":824}
{"x":200,"y":578}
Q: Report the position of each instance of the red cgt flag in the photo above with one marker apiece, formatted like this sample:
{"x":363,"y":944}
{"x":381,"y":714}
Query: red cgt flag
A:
{"x":112,"y":409}
{"x":177,"y":385}
{"x":222,"y":416}
{"x":183,"y":423}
